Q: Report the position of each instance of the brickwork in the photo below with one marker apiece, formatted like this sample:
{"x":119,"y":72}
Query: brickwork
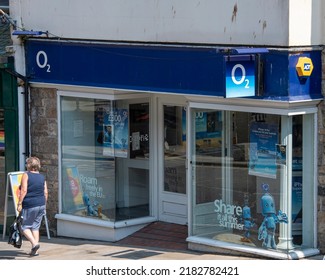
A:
{"x":44,"y":143}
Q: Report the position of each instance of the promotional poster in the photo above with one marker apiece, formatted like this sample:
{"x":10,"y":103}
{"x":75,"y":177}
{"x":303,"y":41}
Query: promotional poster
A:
{"x":263,"y":140}
{"x":115,"y":131}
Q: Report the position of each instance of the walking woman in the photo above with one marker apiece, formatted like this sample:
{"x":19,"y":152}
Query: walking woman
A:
{"x":32,"y":202}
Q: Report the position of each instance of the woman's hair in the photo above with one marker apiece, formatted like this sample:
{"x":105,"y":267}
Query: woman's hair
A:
{"x":33,"y":164}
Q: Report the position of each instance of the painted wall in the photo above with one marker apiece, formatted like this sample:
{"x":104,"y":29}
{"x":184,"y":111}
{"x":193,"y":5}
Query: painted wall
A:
{"x":241,"y":22}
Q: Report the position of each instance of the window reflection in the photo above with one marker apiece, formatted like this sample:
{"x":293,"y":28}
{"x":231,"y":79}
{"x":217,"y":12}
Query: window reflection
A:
{"x":174,"y":149}
{"x":240,"y":179}
{"x":97,"y":151}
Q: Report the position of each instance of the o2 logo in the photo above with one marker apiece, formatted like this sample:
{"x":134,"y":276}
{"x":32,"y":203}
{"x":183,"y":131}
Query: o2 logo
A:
{"x":240,"y":78}
{"x":42,"y":61}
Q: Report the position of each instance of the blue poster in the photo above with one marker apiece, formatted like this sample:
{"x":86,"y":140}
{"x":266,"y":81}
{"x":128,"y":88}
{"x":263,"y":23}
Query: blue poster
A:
{"x":262,"y":154}
{"x":115,"y":133}
{"x":208,"y":125}
{"x":121,"y":132}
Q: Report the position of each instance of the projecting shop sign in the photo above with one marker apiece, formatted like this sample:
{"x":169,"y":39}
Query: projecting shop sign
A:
{"x":240,"y":76}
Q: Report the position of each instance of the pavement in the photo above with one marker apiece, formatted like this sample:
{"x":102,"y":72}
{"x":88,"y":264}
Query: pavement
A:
{"x":60,"y":248}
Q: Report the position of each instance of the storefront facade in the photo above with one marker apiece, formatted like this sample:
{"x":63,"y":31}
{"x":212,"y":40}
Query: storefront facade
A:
{"x":221,"y":139}
{"x":9,"y":143}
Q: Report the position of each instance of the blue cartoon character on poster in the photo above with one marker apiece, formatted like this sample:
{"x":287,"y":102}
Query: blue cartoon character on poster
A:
{"x":247,"y":220}
{"x":267,"y":229}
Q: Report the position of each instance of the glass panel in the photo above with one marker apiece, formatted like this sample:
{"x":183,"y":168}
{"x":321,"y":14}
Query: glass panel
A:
{"x":100,"y":139}
{"x":297,"y":144}
{"x":139,"y":130}
{"x":240,"y":179}
{"x":88,"y":174}
{"x":208,"y":157}
{"x":133,"y":176}
{"x":135,"y":196}
{"x":174,"y":149}
{"x":4,"y":3}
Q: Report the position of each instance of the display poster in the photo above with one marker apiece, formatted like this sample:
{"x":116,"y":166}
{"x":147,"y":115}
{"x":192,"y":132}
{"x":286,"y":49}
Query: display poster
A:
{"x":262,"y":154}
{"x":115,"y":133}
{"x":281,"y":154}
{"x":14,"y":178}
{"x":13,"y":183}
{"x":121,"y":133}
{"x":108,"y":139}
{"x":208,"y":127}
{"x":75,"y":187}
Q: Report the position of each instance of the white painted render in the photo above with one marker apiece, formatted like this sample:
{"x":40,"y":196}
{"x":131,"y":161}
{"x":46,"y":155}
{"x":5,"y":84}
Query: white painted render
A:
{"x":239,"y":22}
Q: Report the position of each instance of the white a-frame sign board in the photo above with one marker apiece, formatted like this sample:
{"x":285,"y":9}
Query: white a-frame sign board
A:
{"x":12,"y":192}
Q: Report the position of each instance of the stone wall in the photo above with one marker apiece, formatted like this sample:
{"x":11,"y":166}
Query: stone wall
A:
{"x":44,"y":143}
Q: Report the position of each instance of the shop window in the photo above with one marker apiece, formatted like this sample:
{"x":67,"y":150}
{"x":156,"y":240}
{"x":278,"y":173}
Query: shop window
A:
{"x":240,"y":186}
{"x":100,"y":139}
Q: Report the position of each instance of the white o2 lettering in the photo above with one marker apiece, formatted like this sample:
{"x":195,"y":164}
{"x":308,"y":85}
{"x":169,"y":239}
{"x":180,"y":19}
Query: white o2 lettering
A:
{"x":243,"y":75}
{"x":41,"y":61}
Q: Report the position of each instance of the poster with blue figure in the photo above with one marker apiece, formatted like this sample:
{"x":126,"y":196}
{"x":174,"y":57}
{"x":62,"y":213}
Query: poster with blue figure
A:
{"x":121,"y":132}
{"x":115,"y":133}
{"x":262,"y":154}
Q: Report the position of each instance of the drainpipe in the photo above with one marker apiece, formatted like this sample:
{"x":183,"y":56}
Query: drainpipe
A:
{"x":26,"y":105}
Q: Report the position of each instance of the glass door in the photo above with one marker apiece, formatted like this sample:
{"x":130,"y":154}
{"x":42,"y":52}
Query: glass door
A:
{"x":208,"y":158}
{"x":173,"y":193}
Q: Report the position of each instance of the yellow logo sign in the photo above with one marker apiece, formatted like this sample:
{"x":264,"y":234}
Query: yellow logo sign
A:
{"x":304,"y":67}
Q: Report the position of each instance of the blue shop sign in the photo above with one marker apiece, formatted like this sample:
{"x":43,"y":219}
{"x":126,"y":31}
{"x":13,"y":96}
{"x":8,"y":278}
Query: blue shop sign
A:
{"x":240,"y":76}
{"x":193,"y":70}
{"x":178,"y":70}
